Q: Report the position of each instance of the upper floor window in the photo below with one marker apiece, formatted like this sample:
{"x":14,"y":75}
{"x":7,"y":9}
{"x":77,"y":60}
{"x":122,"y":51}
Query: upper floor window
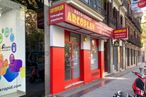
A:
{"x":114,"y":13}
{"x":96,"y":5}
{"x":121,"y":20}
{"x":86,"y":1}
{"x":105,"y":5}
{"x":93,"y":3}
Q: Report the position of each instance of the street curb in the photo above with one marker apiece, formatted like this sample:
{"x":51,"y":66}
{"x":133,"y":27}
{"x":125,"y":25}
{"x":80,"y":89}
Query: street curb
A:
{"x":121,"y":73}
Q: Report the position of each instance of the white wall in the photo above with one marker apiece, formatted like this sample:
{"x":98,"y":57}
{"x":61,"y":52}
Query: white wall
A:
{"x":85,"y":44}
{"x":101,"y":45}
{"x":57,"y":35}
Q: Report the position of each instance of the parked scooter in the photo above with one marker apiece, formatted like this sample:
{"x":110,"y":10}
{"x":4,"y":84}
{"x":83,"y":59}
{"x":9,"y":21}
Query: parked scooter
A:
{"x":139,"y":87}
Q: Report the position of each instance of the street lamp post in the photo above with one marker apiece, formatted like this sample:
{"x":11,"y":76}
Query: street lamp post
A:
{"x":47,"y":4}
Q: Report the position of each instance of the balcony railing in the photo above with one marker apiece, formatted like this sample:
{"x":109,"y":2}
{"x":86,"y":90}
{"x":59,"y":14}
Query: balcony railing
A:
{"x":134,"y":21}
{"x":112,"y":22}
{"x":125,"y":3}
{"x":98,"y":6}
{"x":134,"y":40}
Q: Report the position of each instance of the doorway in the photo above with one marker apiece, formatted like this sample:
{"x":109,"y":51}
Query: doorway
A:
{"x":106,"y":62}
{"x":72,"y":57}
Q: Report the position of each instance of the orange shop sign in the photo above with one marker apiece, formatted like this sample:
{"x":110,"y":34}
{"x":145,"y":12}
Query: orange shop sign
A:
{"x":120,"y":33}
{"x":68,"y":14}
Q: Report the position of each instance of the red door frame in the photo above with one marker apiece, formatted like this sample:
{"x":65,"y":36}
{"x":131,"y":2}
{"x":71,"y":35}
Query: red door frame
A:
{"x":67,"y":40}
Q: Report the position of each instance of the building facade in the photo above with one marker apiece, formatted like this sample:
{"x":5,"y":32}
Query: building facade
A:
{"x":84,"y":55}
{"x":115,"y":18}
{"x":77,"y":34}
{"x":133,"y":47}
{"x":82,"y":48}
{"x":127,"y":53}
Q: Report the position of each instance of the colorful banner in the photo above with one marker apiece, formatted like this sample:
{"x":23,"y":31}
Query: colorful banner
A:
{"x":120,"y":33}
{"x":12,"y":52}
{"x":68,"y":14}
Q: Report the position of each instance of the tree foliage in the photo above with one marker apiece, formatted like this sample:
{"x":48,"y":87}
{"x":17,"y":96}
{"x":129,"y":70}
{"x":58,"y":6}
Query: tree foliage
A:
{"x":34,"y":36}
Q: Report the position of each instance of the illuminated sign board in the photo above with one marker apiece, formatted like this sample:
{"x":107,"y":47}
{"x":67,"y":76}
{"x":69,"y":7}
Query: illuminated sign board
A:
{"x":68,"y":14}
{"x":57,"y":14}
{"x":120,"y":33}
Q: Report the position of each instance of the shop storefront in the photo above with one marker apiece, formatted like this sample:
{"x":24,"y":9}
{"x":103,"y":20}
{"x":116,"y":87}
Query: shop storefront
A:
{"x":76,"y":47}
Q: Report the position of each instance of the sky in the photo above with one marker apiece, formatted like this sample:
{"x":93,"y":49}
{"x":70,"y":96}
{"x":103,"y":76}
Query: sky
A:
{"x":144,"y":10}
{"x":137,"y":11}
{"x":135,"y":8}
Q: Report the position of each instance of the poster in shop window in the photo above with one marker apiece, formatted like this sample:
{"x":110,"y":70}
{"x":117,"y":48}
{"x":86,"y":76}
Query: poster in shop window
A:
{"x":12,"y":52}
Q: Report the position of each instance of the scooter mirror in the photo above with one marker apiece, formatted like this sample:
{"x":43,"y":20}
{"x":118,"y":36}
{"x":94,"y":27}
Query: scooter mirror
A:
{"x":137,"y":74}
{"x":144,"y":77}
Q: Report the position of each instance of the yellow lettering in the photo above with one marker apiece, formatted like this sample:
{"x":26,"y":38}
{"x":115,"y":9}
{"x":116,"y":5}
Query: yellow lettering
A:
{"x":74,"y":18}
{"x":69,"y":16}
{"x":57,"y":9}
{"x":87,"y":26}
{"x":84,"y":23}
{"x":119,"y":31}
{"x":78,"y":20}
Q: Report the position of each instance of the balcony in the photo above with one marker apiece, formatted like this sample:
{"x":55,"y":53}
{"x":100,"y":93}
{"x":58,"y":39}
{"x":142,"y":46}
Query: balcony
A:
{"x":95,"y":5}
{"x":134,"y":21}
{"x":125,"y":4}
{"x":136,"y":41}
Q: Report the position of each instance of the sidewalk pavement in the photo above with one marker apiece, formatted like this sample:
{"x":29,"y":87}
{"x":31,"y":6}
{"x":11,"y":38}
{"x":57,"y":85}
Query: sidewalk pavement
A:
{"x":105,"y":87}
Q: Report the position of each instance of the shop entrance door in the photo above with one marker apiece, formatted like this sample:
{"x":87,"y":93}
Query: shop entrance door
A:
{"x":72,"y":61}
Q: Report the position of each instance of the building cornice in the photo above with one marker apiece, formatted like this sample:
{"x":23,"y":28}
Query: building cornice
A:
{"x":119,"y":6}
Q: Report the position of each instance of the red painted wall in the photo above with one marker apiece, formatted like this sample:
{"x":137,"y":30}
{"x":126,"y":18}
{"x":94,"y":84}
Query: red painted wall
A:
{"x":57,"y":69}
{"x":85,"y":66}
{"x":101,"y":62}
{"x":57,"y":83}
